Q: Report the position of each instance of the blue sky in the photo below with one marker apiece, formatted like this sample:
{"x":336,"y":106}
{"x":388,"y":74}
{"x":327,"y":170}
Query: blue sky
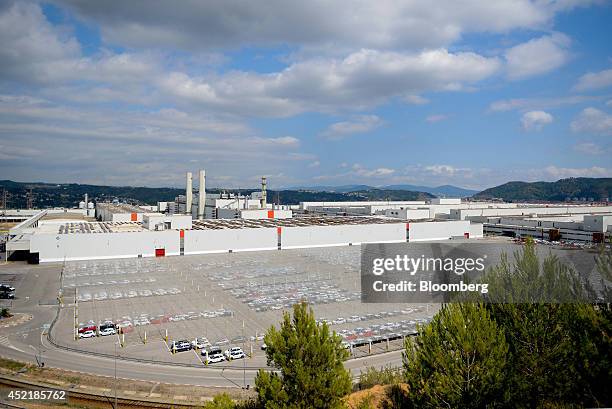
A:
{"x":473,"y":93}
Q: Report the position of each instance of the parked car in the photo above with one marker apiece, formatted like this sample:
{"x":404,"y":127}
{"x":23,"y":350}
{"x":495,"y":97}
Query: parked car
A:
{"x":104,"y":331}
{"x":6,"y":287}
{"x":234,"y":353}
{"x":86,"y":328}
{"x":200,"y":343}
{"x":180,"y":346}
{"x":7,"y":296}
{"x":87,"y":334}
{"x":213,"y":356}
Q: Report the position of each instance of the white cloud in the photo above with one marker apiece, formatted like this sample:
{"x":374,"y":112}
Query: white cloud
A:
{"x":360,"y":124}
{"x":436,"y":118}
{"x":359,"y":172}
{"x":121,"y":147}
{"x":535,"y":120}
{"x":415,"y":99}
{"x":362,"y":79}
{"x":594,"y":80}
{"x":588,"y":148}
{"x":537,"y":56}
{"x":314,"y":164}
{"x":384,"y":24}
{"x":592,"y":120}
{"x":445,"y":170}
{"x":557,"y":173}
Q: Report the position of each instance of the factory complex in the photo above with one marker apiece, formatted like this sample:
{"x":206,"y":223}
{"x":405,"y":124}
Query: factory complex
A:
{"x":225,"y":223}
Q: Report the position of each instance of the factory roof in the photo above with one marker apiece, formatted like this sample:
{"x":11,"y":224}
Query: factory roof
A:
{"x":122,"y":208}
{"x":217,"y":224}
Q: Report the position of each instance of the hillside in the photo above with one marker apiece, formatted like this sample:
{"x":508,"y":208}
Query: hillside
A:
{"x":438,"y":191}
{"x":69,"y":195}
{"x":561,"y":190}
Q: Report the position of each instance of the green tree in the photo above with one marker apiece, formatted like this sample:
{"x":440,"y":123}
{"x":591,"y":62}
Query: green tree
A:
{"x":556,"y":354}
{"x":309,"y":363}
{"x":458,"y":360}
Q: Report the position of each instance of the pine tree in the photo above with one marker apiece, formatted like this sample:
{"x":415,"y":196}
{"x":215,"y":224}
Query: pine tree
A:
{"x":458,"y":360}
{"x":309,"y":359}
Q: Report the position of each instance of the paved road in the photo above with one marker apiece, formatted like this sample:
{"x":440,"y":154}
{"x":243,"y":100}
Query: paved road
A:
{"x":26,"y":342}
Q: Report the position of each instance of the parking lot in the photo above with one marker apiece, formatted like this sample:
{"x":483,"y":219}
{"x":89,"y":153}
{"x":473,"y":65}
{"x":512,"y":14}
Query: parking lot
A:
{"x":230,"y":299}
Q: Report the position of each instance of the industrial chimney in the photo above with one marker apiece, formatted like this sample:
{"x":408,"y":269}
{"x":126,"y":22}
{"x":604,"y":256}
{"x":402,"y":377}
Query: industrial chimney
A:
{"x":202,"y":195}
{"x":263,"y":192}
{"x":86,"y":203}
{"x":189,"y":193}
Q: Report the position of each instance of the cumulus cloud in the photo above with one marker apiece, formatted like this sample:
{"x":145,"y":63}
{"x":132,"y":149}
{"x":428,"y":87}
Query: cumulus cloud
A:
{"x":592,"y":120}
{"x":360,"y":80}
{"x":537,"y":56}
{"x":594,"y":80}
{"x":535,"y":120}
{"x":385,"y":24}
{"x":360,"y":124}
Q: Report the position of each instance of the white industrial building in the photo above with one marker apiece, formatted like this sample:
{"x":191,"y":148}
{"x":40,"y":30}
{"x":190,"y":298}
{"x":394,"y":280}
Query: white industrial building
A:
{"x":437,"y":208}
{"x":229,"y":223}
{"x":444,"y":230}
{"x":111,"y":212}
{"x":167,"y":235}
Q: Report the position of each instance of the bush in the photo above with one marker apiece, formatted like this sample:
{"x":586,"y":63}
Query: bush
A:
{"x":383,"y":376}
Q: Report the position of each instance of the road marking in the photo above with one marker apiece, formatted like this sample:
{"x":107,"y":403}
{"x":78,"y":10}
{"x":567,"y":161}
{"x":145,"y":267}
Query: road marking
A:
{"x":5,"y":342}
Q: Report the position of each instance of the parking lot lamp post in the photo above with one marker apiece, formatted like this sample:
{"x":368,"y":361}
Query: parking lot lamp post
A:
{"x":244,"y":358}
{"x":116,"y":376}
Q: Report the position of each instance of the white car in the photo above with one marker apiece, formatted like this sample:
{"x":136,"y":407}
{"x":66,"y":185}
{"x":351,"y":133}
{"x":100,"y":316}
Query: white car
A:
{"x":201,"y":343}
{"x":234,"y":353}
{"x":141,"y":321}
{"x":213,"y":356}
{"x":107,"y":331}
{"x":87,"y":334}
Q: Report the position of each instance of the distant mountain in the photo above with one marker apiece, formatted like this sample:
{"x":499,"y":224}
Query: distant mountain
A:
{"x":336,"y":189}
{"x":439,"y":191}
{"x":70,"y":194}
{"x":561,"y":190}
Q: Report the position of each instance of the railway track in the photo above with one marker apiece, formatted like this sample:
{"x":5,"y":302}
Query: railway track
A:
{"x":87,"y":399}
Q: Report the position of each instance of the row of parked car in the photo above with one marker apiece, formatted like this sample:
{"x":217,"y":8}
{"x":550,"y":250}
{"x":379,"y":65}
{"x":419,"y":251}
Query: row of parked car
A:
{"x":90,"y":330}
{"x":211,"y":354}
{"x":365,"y":317}
{"x":116,"y":295}
{"x":7,"y":292}
{"x":146,"y":319}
